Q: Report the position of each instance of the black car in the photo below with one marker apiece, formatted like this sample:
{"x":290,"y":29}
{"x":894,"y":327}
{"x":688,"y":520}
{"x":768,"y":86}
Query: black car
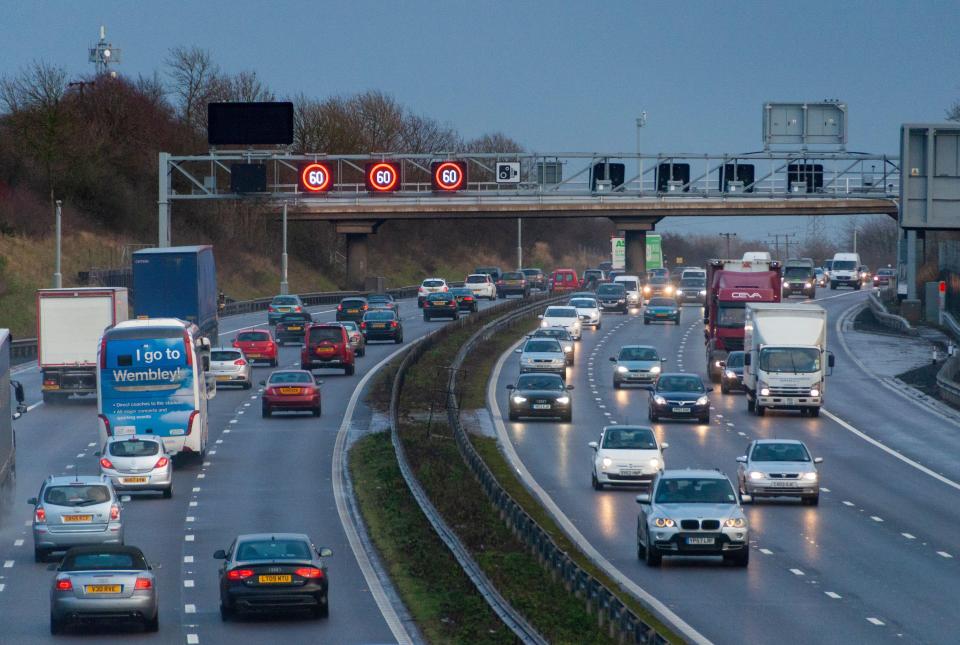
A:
{"x":382,"y":301}
{"x":692,"y":290}
{"x":266,"y":572}
{"x":382,"y":324}
{"x":465,"y":298}
{"x":540,"y":395}
{"x":680,"y":396}
{"x":352,"y":308}
{"x":536,"y":278}
{"x":731,"y":372}
{"x":799,"y":280}
{"x":440,"y":305}
{"x":291,"y":327}
{"x":658,"y":285}
{"x":612,"y":297}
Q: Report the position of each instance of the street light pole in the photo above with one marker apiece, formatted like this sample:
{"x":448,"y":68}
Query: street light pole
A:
{"x":284,"y":287}
{"x":641,"y":121}
{"x":57,"y":275}
{"x":519,"y":244}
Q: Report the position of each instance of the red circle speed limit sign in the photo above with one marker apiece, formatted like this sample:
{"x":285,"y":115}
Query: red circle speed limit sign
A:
{"x":448,"y":175}
{"x":315,"y":177}
{"x":383,"y":176}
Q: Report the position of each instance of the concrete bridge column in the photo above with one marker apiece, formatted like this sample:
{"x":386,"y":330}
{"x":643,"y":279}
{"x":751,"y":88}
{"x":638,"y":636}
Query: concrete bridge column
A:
{"x":357,"y":234}
{"x":635,"y":240}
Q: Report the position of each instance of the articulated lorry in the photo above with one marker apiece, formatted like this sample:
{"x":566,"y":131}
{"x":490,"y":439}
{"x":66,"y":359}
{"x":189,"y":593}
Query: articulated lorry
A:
{"x":9,"y":410}
{"x":731,"y":284}
{"x":177,"y":282}
{"x":69,"y":325}
{"x":786,"y":361}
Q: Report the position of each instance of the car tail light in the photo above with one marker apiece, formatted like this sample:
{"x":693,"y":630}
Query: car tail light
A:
{"x":49,"y":381}
{"x":236,"y":343}
{"x":468,"y":298}
{"x":143,"y":583}
{"x":298,"y":308}
{"x":64,"y":584}
{"x":188,"y":349}
{"x":240,"y":362}
{"x":270,"y":308}
{"x":271,"y":391}
{"x":365,"y":307}
{"x":363,"y":325}
{"x":309,"y":572}
{"x":106,"y":463}
{"x":161,"y":463}
{"x":114,"y":512}
{"x":106,"y":424}
{"x":339,"y":307}
{"x":103,"y":353}
{"x":193,"y":415}
{"x":445,"y":289}
{"x":239,"y":574}
{"x":40,"y":515}
{"x":393,"y":324}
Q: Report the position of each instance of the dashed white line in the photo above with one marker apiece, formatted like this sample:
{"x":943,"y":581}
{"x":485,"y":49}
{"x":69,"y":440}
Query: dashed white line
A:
{"x":188,"y":538}
{"x":766,"y":551}
{"x":192,"y":639}
{"x":824,"y":490}
{"x":191,"y":518}
{"x":196,"y":489}
{"x":876,"y":519}
{"x":742,"y":434}
{"x":188,"y":583}
{"x":91,"y":444}
{"x":909,"y":536}
{"x":944,"y":554}
{"x":8,"y":564}
{"x":201,"y":476}
{"x":69,"y":466}
{"x":233,"y":420}
{"x":18,"y":542}
{"x":875,"y":621}
{"x":81,"y":455}
{"x":833,"y":594}
{"x":189,"y":609}
{"x":193,"y":503}
{"x":846,"y":503}
{"x":188,"y":559}
{"x":797,"y":572}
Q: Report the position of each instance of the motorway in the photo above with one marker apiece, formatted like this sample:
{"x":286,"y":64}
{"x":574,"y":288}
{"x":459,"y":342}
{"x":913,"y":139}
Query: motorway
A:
{"x":259,"y":475}
{"x":876,"y":561}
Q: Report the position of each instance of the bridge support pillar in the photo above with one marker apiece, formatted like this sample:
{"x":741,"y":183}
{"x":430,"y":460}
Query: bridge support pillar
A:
{"x":635,"y":240}
{"x":357,"y":234}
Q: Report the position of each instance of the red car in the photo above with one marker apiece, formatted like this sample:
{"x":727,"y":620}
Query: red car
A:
{"x":290,"y":390}
{"x":564,"y":280}
{"x":257,"y":345}
{"x":327,"y":346}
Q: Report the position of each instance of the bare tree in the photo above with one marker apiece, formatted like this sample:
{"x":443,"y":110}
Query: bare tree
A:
{"x":194,"y":78}
{"x":492,"y":142}
{"x":953,"y":112}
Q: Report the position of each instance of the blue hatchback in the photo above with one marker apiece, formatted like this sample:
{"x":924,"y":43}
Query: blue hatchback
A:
{"x":661,"y":310}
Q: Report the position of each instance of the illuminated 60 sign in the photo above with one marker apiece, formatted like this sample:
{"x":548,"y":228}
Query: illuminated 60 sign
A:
{"x":448,"y":175}
{"x":315,"y":177}
{"x":383,"y":176}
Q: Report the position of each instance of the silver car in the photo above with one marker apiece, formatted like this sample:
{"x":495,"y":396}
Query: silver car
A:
{"x":230,"y":367}
{"x":358,"y":341}
{"x":104,"y":582}
{"x":779,"y":468}
{"x":563,"y":336}
{"x":636,"y":364}
{"x":692,"y":513}
{"x":75,"y":510}
{"x":543,"y":355}
{"x":137,"y":462}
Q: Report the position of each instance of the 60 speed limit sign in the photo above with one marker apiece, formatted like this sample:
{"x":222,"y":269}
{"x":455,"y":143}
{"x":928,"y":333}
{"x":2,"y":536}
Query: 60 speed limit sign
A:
{"x":383,"y":176}
{"x":448,"y":175}
{"x":315,"y":177}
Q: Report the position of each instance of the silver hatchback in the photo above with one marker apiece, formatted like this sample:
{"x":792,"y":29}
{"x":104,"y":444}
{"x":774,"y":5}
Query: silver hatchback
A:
{"x":230,"y":367}
{"x":137,"y":462}
{"x":73,"y":511}
{"x":779,"y":468}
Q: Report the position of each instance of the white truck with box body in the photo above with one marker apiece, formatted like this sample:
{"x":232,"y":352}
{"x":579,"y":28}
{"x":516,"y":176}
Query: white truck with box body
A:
{"x":786,"y":361}
{"x":70,"y":323}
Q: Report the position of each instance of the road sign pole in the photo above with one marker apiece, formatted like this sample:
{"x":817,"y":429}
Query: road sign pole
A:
{"x":163,"y":201}
{"x":519,"y":244}
{"x":57,"y":276}
{"x":284,"y":287}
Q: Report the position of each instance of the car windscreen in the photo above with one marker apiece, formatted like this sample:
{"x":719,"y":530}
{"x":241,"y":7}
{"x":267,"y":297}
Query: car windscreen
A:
{"x":584,"y":303}
{"x":297,"y":317}
{"x":611,"y":290}
{"x":290,"y":377}
{"x":779,"y":452}
{"x":790,"y":359}
{"x":735,"y":359}
{"x":886,"y":272}
{"x":693,"y":283}
{"x":461,"y":291}
{"x":680,"y":383}
{"x":134,"y":448}
{"x":591,"y":273}
{"x":797,"y":272}
{"x":545,"y":345}
{"x":380,"y":315}
{"x":476,"y":279}
{"x":379,"y":298}
{"x":253,"y":336}
{"x":353,"y":303}
{"x":76,"y":495}
{"x":695,"y":490}
{"x":274,"y":550}
{"x":844,"y":265}
{"x":434,"y":283}
{"x":629,"y":439}
{"x":286,"y":300}
{"x":560,"y":312}
{"x":659,"y":280}
{"x":559,"y":334}
{"x":662,"y":302}
{"x":539,"y":382}
{"x":638,"y":354}
{"x":630,"y":285}
{"x":532,"y":272}
{"x":105,"y":561}
{"x":326,"y":334}
{"x":225,"y":355}
{"x":349,"y":325}
{"x":513,"y":275}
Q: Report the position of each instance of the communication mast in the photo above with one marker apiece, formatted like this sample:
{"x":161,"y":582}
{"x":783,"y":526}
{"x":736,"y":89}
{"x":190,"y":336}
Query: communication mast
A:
{"x":104,"y":54}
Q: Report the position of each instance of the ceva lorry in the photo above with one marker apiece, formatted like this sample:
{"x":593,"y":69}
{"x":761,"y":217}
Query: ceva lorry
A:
{"x":177,"y":282}
{"x":69,"y":325}
{"x":731,"y":284}
{"x":786,"y":361}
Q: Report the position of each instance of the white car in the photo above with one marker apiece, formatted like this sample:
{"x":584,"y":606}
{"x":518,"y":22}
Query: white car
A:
{"x":230,"y":367}
{"x":137,"y":462}
{"x":632,"y":284}
{"x":482,"y":285}
{"x":428,"y":286}
{"x":560,"y":316}
{"x":588,"y":310}
{"x":626,"y":455}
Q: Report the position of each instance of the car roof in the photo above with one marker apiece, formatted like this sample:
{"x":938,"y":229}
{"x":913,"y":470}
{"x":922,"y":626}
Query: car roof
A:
{"x":693,"y":472}
{"x":223,"y":348}
{"x":345,"y":298}
{"x":59,"y":480}
{"x":792,"y":441}
{"x":286,"y":295}
{"x":104,"y":548}
{"x":275,"y":372}
{"x":681,"y":374}
{"x":638,"y":347}
{"x":270,"y":536}
{"x":631,"y":427}
{"x":135,"y":437}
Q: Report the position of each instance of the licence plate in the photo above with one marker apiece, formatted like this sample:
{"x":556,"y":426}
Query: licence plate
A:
{"x":223,"y":378}
{"x":541,"y":406}
{"x":273,"y":580}
{"x":681,"y":410}
{"x":631,"y":473}
{"x":379,"y":326}
{"x":788,"y":484}
{"x":353,"y":311}
{"x":660,"y":315}
{"x":700,"y":540}
{"x":253,"y":355}
{"x":289,"y":390}
{"x":324,"y":350}
{"x":440,"y":302}
{"x":103,"y":588}
{"x":133,"y":480}
{"x":294,"y":328}
{"x":74,"y":519}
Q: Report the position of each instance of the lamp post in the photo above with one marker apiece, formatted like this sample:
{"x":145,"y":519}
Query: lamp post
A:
{"x":641,"y":121}
{"x":284,"y":286}
{"x":57,"y":276}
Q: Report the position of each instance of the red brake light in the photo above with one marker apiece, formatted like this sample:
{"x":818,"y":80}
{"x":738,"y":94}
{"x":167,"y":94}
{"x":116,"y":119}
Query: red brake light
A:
{"x":239,"y":574}
{"x":298,"y":308}
{"x":188,"y":349}
{"x":365,"y":307}
{"x":64,"y":584}
{"x":393,"y":324}
{"x":143,"y":583}
{"x":363,"y":325}
{"x":106,"y":424}
{"x":103,"y":353}
{"x":40,"y":515}
{"x":106,"y":463}
{"x":270,"y":308}
{"x":114,"y":512}
{"x":236,"y":343}
{"x":339,"y":307}
{"x":445,"y":289}
{"x":309,"y":572}
{"x":240,"y":362}
{"x":161,"y":463}
{"x":193,"y":415}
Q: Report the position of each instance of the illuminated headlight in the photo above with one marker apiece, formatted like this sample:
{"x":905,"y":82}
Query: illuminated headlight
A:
{"x":659,"y":400}
{"x":703,"y":400}
{"x":668,"y":289}
{"x":735,"y":523}
{"x":568,"y":348}
{"x":622,"y":369}
{"x":717,"y":364}
{"x":764,"y":391}
{"x":576,"y":325}
{"x":679,"y":292}
{"x":703,"y":292}
{"x":519,"y":399}
{"x":755,"y":475}
{"x":807,"y":285}
{"x":563,"y":400}
{"x":544,"y":323}
{"x":810,"y":477}
{"x":646,"y":289}
{"x":621,"y":301}
{"x":663,"y":522}
{"x":607,"y":462}
{"x":655,"y":463}
{"x":655,"y":369}
{"x":814,"y":392}
{"x":730,"y":374}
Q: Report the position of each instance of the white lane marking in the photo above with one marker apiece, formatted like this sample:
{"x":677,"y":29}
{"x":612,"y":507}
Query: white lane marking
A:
{"x":190,"y":518}
{"x":2,"y":587}
{"x":188,"y":559}
{"x":246,"y":405}
{"x":797,"y":572}
{"x":876,"y":519}
{"x":742,"y":434}
{"x":833,"y":594}
{"x":188,"y":583}
{"x":189,"y":609}
{"x":226,"y":431}
{"x":18,"y":542}
{"x":824,"y":490}
{"x":8,"y":564}
{"x":81,"y":455}
{"x":196,"y":489}
{"x":193,"y":503}
{"x":124,"y":498}
{"x":944,"y":554}
{"x":219,"y":441}
{"x":91,"y":444}
{"x":211,"y":452}
{"x":188,"y":538}
{"x":69,"y":466}
{"x":253,"y":398}
{"x":34,"y":406}
{"x":201,"y":476}
{"x":766,"y":551}
{"x":233,"y":420}
{"x":206,"y":463}
{"x":28,"y":523}
{"x":875,"y":621}
{"x":909,"y":536}
{"x":846,"y":503}
{"x":192,"y":639}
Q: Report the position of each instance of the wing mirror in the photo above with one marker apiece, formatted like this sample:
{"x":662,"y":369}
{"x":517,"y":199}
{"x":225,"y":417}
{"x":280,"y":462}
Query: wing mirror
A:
{"x":263,"y":383}
{"x":663,"y":360}
{"x":613,"y":359}
{"x":18,"y":391}
{"x":818,"y":460}
{"x":742,"y":459}
{"x":569,"y":387}
{"x":594,"y":445}
{"x":831,"y":360}
{"x":643,"y":498}
{"x":664,"y":446}
{"x":518,"y":350}
{"x":220,"y":554}
{"x":746,"y":359}
{"x":510,"y":387}
{"x":324,"y":552}
{"x":317,"y":380}
{"x":540,"y":316}
{"x":711,"y":389}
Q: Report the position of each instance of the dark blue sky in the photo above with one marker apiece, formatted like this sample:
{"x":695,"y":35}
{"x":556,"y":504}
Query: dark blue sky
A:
{"x":553,"y":75}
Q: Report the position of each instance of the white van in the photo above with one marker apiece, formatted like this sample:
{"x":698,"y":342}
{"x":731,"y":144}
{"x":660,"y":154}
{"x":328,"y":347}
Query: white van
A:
{"x":693,"y":273}
{"x":845,"y":271}
{"x":757,"y":256}
{"x":631,"y":284}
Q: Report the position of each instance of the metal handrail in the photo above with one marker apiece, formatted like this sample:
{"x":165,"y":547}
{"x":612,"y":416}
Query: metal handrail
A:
{"x":887,"y":319}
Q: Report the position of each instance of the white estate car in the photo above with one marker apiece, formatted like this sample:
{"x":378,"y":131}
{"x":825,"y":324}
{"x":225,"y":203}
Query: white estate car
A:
{"x":626,"y":455}
{"x":428,"y":286}
{"x":588,"y":309}
{"x":482,"y":285}
{"x":562,"y":316}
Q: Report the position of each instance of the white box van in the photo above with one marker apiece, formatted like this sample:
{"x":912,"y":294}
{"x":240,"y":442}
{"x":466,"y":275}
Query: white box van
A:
{"x":757,"y":256}
{"x":632,"y":285}
{"x":845,"y":271}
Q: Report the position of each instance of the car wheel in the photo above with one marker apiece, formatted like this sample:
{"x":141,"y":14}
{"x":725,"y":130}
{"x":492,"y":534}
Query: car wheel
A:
{"x":814,"y":412}
{"x":168,"y":492}
{"x":225,"y":613}
{"x":646,"y":322}
{"x":265,"y":412}
{"x":248,"y":385}
{"x":812,"y":501}
{"x":567,"y":418}
{"x":724,"y":389}
{"x":705,"y":419}
{"x":426,"y":318}
{"x":652,"y":556}
{"x":39,"y":555}
{"x":49,"y":398}
{"x":152,"y":625}
{"x":323,"y":611}
{"x":833,"y":286}
{"x":512,"y":415}
{"x":397,"y":340}
{"x":641,"y":552}
{"x":616,"y":385}
{"x":751,"y":404}
{"x":274,"y":363}
{"x":316,"y":411}
{"x":760,"y":410}
{"x":599,"y":325}
{"x":56,"y":625}
{"x":595,"y":482}
{"x":739,"y":558}
{"x":653,"y":417}
{"x":349,"y":370}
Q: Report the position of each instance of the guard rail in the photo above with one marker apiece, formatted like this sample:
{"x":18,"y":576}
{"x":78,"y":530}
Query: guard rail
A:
{"x":887,"y":319}
{"x":947,"y":383}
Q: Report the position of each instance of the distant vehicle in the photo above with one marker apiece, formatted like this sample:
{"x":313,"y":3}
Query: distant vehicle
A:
{"x":779,"y":468}
{"x":543,"y":355}
{"x":382,"y":301}
{"x":821,"y":277}
{"x":612,"y":297}
{"x":386,"y":325}
{"x":614,"y":273}
{"x":884,"y":276}
{"x":865,"y":274}
{"x":281,"y":305}
{"x":431,"y":285}
{"x":605,"y":266}
{"x":564,"y":280}
{"x":178,"y":282}
{"x":694,"y":273}
{"x":257,"y":345}
{"x":291,"y":327}
{"x":72,"y":511}
{"x":540,"y":395}
{"x":357,"y":341}
{"x":661,"y":310}
{"x":493,"y":272}
{"x":440,"y":305}
{"x":536,"y":278}
{"x":137,"y":463}
{"x":692,"y":290}
{"x":513,"y":283}
{"x":757,"y":256}
{"x":230,"y":367}
{"x":636,"y":364}
{"x":588,"y":310}
{"x":845,"y":271}
{"x":799,"y":279}
{"x":352,"y":308}
{"x":658,"y":286}
{"x":267,"y":572}
{"x":693,"y":513}
{"x":104,"y":582}
{"x":566,"y":317}
{"x":626,"y":455}
{"x":631,"y":284}
{"x":679,"y":396}
{"x":482,"y":285}
{"x":69,"y":325}
{"x":327,"y":346}
{"x":593,"y":278}
{"x":465,"y":299}
{"x":731,"y":378}
{"x":290,"y":391}
{"x":659,"y":272}
{"x":561,"y":335}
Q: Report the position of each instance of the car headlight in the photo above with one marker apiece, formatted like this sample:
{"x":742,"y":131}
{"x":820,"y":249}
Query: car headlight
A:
{"x":655,"y":463}
{"x":646,"y":289}
{"x":659,"y":400}
{"x":703,"y":292}
{"x":679,"y":292}
{"x":703,"y":400}
{"x":622,"y":369}
{"x":668,"y":289}
{"x":764,"y":391}
{"x":730,"y":374}
{"x":621,"y":301}
{"x":568,"y":348}
{"x":519,"y":399}
{"x":655,"y":369}
{"x":807,"y":285}
{"x":563,"y":400}
{"x":717,"y":364}
{"x":810,"y":477}
{"x":607,"y":462}
{"x":814,"y":392}
{"x":735,"y":523}
{"x":756,"y":474}
{"x":544,"y":323}
{"x":663,"y":522}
